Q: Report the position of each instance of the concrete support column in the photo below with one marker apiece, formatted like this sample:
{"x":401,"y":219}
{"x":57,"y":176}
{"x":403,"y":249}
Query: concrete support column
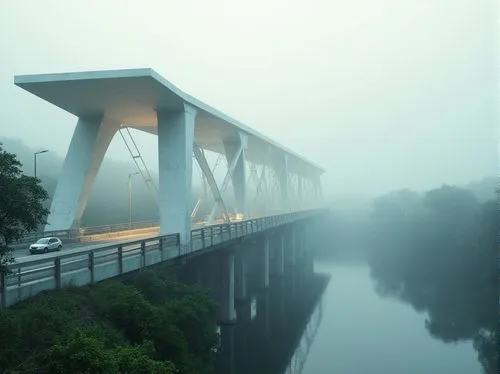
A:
{"x":86,"y":151}
{"x":293,"y":247}
{"x":226,"y":293}
{"x":265,"y":263}
{"x":240,"y":277}
{"x":238,"y":176}
{"x":279,"y":256}
{"x":175,"y":153}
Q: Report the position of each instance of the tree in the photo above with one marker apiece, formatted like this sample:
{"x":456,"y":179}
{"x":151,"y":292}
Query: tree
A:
{"x":21,"y":204}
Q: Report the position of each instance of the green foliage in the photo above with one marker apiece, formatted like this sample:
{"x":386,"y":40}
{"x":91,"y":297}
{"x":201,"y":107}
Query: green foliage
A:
{"x":188,"y":307}
{"x":137,"y":360}
{"x":21,"y":199}
{"x":81,"y":352}
{"x":21,"y":204}
{"x":111,"y":327}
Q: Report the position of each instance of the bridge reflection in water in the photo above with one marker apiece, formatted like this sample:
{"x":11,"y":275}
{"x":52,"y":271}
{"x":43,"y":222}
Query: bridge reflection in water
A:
{"x":277,"y":338}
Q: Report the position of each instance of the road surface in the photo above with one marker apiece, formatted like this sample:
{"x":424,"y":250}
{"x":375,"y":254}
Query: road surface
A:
{"x":24,"y":252}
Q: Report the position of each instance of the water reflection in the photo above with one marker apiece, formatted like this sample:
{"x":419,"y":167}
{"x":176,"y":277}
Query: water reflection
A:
{"x":275,"y":327}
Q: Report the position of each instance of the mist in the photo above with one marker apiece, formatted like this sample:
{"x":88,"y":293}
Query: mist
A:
{"x":383,"y":94}
{"x":397,"y":101}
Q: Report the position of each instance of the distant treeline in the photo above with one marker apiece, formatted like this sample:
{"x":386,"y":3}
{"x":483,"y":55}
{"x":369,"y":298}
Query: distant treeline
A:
{"x":108,"y":203}
{"x":436,"y":251}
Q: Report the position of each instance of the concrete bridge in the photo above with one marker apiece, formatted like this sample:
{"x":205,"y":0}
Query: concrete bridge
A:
{"x":277,"y":224}
{"x":107,"y":102}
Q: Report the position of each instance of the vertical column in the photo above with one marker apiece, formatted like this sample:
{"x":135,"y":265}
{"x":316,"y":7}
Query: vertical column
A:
{"x":175,"y":150}
{"x":226,"y":293}
{"x":86,"y":151}
{"x":240,"y":276}
{"x":238,"y":175}
{"x":279,"y":257}
{"x":293,"y":246}
{"x":265,"y":263}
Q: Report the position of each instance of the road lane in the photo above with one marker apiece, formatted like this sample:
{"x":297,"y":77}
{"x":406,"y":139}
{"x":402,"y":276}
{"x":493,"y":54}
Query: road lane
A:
{"x":22,"y":253}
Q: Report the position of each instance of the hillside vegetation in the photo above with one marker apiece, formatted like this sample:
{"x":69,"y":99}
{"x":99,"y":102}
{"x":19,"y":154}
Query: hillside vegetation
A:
{"x":150,"y":324}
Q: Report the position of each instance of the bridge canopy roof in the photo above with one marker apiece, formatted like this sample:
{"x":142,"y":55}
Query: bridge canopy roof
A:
{"x":133,"y":96}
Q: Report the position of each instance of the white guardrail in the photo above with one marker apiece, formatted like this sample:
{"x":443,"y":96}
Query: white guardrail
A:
{"x":78,"y":267}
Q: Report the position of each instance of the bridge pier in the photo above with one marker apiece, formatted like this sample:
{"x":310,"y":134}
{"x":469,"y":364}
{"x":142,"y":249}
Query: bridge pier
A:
{"x":290,"y":246}
{"x":225,"y":290}
{"x":278,"y":268}
{"x":265,"y":263}
{"x":175,"y":164}
{"x":240,"y":293}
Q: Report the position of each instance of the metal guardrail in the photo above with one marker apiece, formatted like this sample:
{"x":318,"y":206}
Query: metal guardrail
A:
{"x":79,"y":267}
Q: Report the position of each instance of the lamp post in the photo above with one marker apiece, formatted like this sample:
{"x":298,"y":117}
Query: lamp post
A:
{"x":36,"y":154}
{"x":130,"y":198}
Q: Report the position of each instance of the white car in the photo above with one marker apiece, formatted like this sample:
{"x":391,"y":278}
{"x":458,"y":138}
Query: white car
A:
{"x":45,"y":245}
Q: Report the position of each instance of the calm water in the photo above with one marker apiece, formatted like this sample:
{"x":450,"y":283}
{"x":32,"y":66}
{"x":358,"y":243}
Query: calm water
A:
{"x":363,"y":333}
{"x":335,"y":324}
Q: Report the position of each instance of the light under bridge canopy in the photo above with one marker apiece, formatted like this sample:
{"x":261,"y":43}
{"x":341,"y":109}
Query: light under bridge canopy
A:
{"x":133,"y":97}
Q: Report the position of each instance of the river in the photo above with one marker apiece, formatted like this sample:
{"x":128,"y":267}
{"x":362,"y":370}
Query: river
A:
{"x":335,"y":322}
{"x":362,"y":332}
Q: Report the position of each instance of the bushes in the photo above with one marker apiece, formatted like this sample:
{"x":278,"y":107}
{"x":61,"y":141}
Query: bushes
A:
{"x":83,"y":352}
{"x":150,"y":325}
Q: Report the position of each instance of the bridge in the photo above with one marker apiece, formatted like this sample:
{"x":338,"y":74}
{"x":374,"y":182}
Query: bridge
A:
{"x":278,"y":222}
{"x":107,"y":102}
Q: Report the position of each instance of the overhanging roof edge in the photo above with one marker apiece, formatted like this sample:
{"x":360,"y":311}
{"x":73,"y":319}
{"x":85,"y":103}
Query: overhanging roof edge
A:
{"x":217,"y":113}
{"x":20,"y":80}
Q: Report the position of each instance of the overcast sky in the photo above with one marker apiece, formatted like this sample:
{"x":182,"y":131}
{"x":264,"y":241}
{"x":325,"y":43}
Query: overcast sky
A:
{"x":383,"y":93}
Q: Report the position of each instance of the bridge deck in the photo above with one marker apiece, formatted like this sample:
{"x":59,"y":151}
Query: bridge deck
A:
{"x":80,"y":267}
{"x":133,"y":97}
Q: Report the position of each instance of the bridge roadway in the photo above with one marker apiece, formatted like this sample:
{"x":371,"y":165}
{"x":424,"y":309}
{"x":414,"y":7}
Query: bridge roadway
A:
{"x":102,"y":238}
{"x":88,"y":264}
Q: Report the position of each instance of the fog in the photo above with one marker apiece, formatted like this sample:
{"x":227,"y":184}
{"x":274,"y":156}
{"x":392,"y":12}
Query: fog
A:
{"x":396,"y":99}
{"x":384,"y":94}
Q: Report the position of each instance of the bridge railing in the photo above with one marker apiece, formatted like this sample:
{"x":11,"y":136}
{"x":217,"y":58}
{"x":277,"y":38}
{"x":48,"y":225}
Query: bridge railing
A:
{"x":79,"y":267}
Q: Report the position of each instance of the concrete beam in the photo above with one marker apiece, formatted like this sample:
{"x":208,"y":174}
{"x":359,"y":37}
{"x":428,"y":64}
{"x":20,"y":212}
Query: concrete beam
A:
{"x":88,"y":146}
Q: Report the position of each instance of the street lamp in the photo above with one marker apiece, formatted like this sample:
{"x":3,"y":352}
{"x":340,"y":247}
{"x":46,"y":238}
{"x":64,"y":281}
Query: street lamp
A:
{"x":130,"y":198}
{"x":36,"y":154}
